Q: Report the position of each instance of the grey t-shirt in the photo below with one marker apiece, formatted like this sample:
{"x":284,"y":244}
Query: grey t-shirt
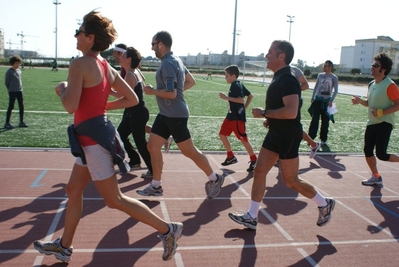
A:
{"x":172,"y":67}
{"x":13,"y":80}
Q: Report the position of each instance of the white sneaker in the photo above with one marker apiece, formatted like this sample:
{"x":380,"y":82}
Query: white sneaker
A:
{"x":373,"y":181}
{"x":313,"y":150}
{"x":166,"y":145}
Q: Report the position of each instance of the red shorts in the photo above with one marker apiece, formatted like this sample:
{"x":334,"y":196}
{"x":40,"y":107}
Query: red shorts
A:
{"x":236,"y":127}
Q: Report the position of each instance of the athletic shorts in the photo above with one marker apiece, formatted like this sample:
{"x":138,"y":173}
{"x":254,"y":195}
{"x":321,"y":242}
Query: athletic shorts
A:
{"x":177,"y":127}
{"x":99,"y":162}
{"x":286,"y":148}
{"x":237,"y":127}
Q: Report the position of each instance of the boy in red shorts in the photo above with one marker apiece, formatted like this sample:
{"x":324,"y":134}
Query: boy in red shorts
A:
{"x":235,"y":118}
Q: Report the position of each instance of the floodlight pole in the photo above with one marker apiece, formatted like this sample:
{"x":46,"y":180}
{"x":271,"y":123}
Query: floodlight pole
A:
{"x":291,"y":20}
{"x":233,"y":58}
{"x":56,"y":3}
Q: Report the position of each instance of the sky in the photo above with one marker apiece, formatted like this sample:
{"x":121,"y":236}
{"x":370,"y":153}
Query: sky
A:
{"x":318,"y":31}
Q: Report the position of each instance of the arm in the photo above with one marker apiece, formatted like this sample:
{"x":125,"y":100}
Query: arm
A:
{"x":149,"y":90}
{"x":129,"y":97}
{"x":289,"y":111}
{"x":304,"y":83}
{"x":249,"y":100}
{"x":189,"y":81}
{"x":7,"y":80}
{"x":335,"y":80}
{"x":393,"y":94}
{"x":238,"y":100}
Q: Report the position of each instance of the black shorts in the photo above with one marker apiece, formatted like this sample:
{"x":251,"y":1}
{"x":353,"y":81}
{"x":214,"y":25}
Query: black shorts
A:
{"x":177,"y":127}
{"x":286,"y":148}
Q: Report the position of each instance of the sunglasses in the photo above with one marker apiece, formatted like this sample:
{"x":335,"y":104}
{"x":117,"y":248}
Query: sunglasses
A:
{"x":375,"y":65}
{"x":154,"y":43}
{"x":77,"y":32}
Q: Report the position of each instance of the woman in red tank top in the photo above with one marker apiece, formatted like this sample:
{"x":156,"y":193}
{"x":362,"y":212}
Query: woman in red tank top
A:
{"x":86,"y":96}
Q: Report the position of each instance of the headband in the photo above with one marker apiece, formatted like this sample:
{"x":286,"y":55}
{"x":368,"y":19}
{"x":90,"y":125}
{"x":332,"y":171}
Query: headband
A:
{"x":119,"y":49}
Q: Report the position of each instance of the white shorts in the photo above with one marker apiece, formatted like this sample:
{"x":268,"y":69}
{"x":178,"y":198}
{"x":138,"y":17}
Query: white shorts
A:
{"x":99,"y":162}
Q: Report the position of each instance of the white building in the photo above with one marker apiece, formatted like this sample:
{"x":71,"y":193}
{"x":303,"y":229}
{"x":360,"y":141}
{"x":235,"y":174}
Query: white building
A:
{"x":361,"y":55}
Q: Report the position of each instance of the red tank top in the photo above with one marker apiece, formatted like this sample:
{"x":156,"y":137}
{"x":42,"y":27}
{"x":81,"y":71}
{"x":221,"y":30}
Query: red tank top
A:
{"x":93,"y":102}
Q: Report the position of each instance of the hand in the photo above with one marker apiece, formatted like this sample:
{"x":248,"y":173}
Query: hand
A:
{"x":61,"y":88}
{"x":148,"y":89}
{"x":223,"y":96}
{"x":374,"y":112}
{"x":266,"y":123}
{"x":356,"y":100}
{"x":256,"y":112}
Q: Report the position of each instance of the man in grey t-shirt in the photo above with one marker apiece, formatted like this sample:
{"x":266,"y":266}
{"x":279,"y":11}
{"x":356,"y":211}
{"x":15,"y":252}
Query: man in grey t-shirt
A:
{"x":172,"y":79}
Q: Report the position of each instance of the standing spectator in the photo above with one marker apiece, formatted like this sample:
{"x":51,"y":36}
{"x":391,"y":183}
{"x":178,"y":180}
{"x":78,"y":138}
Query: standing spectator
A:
{"x":236,"y":118}
{"x":282,"y":141}
{"x":124,"y":127}
{"x":13,"y":82}
{"x":382,"y":103}
{"x":86,"y":93}
{"x":324,"y":93}
{"x":172,"y":78}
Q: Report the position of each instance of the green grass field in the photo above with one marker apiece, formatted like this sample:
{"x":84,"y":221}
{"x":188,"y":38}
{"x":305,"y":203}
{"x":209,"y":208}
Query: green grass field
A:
{"x":48,"y":120}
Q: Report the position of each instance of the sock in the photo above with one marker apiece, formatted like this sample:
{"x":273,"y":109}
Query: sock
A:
{"x":230,"y":154}
{"x":156,"y":183}
{"x":252,"y":158}
{"x":169,"y":229}
{"x":377,"y":175}
{"x":212,"y":177}
{"x":320,"y":200}
{"x":254,"y":209}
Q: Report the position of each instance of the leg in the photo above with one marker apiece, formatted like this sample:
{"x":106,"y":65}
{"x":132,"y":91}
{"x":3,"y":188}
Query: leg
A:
{"x":137,"y":126}
{"x":11,"y":101}
{"x":308,"y":139}
{"x":155,"y":143}
{"x":225,"y":142}
{"x":266,"y":161}
{"x":79,"y":179}
{"x":189,"y":150}
{"x":124,"y":132}
{"x":325,"y":123}
{"x":289,"y":172}
{"x":20,"y":99}
{"x":314,"y":124}
{"x":248,"y":147}
{"x":113,"y":197}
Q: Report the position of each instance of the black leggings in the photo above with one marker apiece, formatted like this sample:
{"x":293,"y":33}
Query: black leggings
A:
{"x":377,"y":136}
{"x":20,"y":98}
{"x":134,"y":122}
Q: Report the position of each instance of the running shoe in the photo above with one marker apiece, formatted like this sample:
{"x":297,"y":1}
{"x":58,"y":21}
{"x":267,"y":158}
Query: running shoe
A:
{"x":147,"y":175}
{"x":229,"y":161}
{"x":373,"y":181}
{"x":251,"y":167}
{"x":150,"y":190}
{"x":170,"y":240}
{"x":313,"y":150}
{"x":54,"y":248}
{"x":212,"y":188}
{"x":325,"y":212}
{"x":166,"y":145}
{"x":244,"y":219}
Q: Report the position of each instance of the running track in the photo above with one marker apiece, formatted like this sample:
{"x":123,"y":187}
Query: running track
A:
{"x":364,"y":229}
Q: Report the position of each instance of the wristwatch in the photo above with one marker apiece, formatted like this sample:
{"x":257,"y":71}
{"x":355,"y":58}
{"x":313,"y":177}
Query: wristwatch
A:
{"x":263,"y":112}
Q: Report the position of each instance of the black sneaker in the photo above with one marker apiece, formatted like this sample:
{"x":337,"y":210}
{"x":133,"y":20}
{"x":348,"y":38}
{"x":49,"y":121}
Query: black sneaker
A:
{"x":23,"y":124}
{"x":252,"y":165}
{"x":229,"y":161}
{"x":8,"y":126}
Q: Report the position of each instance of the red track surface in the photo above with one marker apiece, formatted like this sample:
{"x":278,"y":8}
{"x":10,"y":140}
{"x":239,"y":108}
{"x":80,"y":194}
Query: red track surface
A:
{"x":364,"y":229}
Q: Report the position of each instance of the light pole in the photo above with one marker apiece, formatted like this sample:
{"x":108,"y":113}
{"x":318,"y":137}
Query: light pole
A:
{"x":56,"y":3}
{"x":233,"y":59}
{"x":291,"y":20}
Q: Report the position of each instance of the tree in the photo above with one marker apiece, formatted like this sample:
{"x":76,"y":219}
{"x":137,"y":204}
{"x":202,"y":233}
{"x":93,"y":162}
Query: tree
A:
{"x":307,"y":72}
{"x":300,"y":64}
{"x":355,"y":71}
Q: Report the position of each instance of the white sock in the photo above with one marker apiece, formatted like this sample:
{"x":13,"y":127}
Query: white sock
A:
{"x":254,"y":209}
{"x":320,"y":200}
{"x":212,"y":177}
{"x":156,"y":183}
